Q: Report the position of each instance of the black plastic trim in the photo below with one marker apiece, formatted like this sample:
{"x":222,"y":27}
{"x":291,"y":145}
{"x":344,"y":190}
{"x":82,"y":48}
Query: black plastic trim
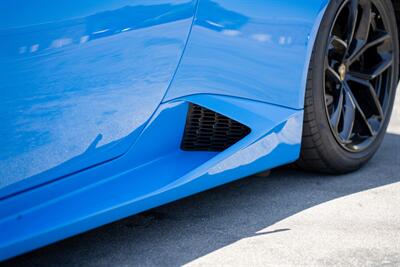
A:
{"x":207,"y":130}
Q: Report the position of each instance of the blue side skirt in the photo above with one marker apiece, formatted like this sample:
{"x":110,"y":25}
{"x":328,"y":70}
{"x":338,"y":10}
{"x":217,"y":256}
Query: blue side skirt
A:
{"x":153,"y":172}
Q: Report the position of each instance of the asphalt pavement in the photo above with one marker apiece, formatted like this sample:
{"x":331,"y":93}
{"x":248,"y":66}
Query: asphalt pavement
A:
{"x":290,"y":218}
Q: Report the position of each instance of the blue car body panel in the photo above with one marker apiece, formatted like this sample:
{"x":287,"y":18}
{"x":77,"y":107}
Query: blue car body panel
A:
{"x":78,"y":79}
{"x":250,"y":49}
{"x":94,"y":100}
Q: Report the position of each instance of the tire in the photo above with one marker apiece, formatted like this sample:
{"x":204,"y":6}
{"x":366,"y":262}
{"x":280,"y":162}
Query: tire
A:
{"x":324,"y":148}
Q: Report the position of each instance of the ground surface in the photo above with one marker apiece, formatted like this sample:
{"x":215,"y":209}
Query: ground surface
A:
{"x":290,"y":218}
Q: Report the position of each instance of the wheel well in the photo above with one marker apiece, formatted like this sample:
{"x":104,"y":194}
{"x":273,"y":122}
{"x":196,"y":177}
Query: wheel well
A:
{"x":396,"y":4}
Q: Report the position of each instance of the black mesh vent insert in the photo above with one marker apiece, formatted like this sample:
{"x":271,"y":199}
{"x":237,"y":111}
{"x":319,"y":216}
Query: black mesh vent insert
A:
{"x":207,"y":130}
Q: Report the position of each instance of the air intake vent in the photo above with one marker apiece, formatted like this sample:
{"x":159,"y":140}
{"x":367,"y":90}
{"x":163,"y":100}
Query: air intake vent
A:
{"x":207,"y":130}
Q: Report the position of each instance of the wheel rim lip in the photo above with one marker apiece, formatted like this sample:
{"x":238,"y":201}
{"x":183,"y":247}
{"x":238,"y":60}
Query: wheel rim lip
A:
{"x":363,"y":145}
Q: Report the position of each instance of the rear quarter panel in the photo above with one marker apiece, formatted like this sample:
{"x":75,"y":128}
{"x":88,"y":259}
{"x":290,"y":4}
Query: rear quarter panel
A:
{"x":256,"y":49}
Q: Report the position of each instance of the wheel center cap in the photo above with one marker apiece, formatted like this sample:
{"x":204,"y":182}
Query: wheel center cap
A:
{"x":342,"y":72}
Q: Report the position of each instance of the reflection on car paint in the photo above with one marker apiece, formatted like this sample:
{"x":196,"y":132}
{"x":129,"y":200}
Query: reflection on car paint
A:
{"x":66,"y":82}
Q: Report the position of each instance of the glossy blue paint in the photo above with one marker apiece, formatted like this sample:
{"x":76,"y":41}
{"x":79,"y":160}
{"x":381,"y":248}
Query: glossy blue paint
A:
{"x":93,"y":123}
{"x":258,"y":50}
{"x":78,"y":79}
{"x":160,"y":173}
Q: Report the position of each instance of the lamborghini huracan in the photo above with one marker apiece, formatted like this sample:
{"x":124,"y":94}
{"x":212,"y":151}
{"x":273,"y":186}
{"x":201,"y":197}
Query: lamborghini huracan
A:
{"x":112,"y":107}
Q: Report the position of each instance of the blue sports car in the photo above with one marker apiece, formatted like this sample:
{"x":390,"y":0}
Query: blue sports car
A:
{"x":112,"y":107}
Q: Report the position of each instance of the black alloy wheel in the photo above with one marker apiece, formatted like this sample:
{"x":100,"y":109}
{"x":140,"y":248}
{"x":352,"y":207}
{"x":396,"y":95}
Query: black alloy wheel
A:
{"x":358,"y":69}
{"x":352,"y":81}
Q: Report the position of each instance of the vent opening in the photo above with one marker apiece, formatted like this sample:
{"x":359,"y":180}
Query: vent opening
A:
{"x":207,"y":130}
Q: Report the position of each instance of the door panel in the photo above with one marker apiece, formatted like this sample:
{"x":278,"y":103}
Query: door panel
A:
{"x":80,"y":78}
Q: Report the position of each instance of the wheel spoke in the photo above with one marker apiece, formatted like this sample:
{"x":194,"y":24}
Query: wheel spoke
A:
{"x":336,"y":40}
{"x":355,"y":104}
{"x":362,"y":31}
{"x":373,"y":94}
{"x":380,"y":88}
{"x":352,"y":21}
{"x":349,"y":116}
{"x":358,"y":80}
{"x":377,"y":70}
{"x":337,"y":48}
{"x":333,"y":74}
{"x":337,"y":114}
{"x":378,"y":38}
{"x":377,"y":102}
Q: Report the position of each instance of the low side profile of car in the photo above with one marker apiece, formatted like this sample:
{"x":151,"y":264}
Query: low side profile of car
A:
{"x":112,"y":107}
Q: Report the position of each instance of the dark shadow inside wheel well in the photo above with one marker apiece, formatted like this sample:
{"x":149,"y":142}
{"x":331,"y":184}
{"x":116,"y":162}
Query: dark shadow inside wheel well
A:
{"x":396,"y":4}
